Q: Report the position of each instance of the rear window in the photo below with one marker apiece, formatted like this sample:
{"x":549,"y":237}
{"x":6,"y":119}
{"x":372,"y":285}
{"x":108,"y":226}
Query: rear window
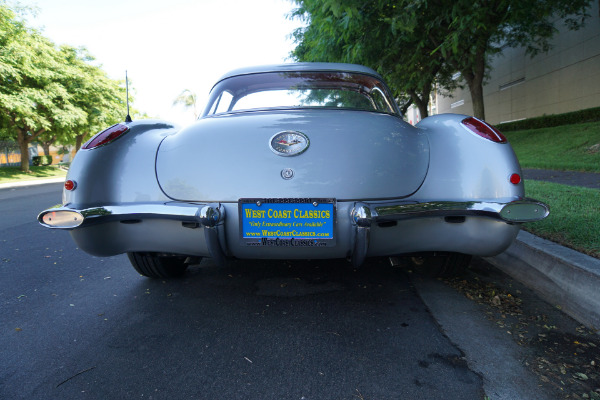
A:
{"x":274,"y":90}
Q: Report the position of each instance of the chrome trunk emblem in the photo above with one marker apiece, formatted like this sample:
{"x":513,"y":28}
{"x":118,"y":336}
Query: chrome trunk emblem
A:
{"x":289,"y":143}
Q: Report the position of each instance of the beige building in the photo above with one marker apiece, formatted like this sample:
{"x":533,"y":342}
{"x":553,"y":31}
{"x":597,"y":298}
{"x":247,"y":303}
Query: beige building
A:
{"x":567,"y":78}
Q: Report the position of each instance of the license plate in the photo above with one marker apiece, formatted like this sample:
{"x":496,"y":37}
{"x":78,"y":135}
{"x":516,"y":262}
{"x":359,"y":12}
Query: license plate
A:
{"x":287,"y":222}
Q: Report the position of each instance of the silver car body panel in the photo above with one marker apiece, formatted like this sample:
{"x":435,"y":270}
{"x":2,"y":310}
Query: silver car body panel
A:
{"x":122,"y":172}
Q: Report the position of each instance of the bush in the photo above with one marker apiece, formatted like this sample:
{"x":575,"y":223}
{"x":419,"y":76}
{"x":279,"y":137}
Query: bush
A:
{"x":42,"y":160}
{"x":549,"y":121}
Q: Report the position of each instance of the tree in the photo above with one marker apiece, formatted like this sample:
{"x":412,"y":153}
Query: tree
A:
{"x":413,"y":42}
{"x":102,"y":99}
{"x":375,"y":34}
{"x":48,"y":93}
{"x":33,"y":97}
{"x":187,"y":98}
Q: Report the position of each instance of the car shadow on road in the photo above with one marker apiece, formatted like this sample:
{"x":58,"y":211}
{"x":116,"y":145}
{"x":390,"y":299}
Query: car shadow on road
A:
{"x":279,"y":330}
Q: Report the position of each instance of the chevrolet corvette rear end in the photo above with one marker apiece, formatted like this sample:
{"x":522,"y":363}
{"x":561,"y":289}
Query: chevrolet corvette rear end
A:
{"x":297,"y":161}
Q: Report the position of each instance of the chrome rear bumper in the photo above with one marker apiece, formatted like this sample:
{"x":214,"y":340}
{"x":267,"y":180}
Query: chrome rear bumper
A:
{"x":363,"y":216}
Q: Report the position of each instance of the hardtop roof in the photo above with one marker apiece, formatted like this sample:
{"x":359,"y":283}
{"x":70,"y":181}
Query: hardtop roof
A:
{"x":297,"y":67}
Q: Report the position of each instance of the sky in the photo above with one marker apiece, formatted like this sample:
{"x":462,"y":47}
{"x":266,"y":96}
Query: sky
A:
{"x":168,"y":46}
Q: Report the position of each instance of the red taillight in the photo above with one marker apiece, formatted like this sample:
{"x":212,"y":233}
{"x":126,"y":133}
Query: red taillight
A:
{"x":484,"y":130}
{"x":106,"y":136}
{"x":515,"y":179}
{"x":70,"y":185}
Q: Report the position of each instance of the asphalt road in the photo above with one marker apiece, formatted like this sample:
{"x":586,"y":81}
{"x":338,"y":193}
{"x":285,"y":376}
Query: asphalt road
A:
{"x":77,"y":326}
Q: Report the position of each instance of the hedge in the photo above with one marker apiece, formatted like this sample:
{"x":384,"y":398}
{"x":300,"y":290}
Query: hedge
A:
{"x":42,"y":160}
{"x":548,"y":121}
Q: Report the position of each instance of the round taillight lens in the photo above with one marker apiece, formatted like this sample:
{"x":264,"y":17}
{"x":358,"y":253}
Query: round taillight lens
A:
{"x":70,"y":185}
{"x":106,"y":136}
{"x":484,"y":129}
{"x":515,"y":179}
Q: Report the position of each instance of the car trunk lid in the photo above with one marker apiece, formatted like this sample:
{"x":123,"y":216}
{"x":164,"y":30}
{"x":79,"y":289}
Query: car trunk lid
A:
{"x":351,"y":155}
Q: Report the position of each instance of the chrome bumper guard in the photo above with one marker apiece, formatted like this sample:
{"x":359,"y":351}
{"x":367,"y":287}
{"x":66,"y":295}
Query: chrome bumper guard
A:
{"x":363,"y":216}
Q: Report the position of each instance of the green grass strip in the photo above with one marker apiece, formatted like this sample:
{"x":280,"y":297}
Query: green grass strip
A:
{"x":566,"y":148}
{"x":574,"y":219}
{"x":14,"y":174}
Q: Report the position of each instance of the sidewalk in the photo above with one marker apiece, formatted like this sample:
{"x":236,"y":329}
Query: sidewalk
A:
{"x":585,"y":179}
{"x":10,"y":185}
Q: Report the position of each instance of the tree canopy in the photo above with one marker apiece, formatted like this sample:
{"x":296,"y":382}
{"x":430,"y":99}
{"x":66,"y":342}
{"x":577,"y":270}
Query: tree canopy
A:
{"x":415,"y":44}
{"x":370,"y":33}
{"x":49,"y":93}
{"x":188,"y":99}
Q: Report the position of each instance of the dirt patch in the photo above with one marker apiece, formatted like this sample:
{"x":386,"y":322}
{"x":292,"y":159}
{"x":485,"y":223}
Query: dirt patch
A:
{"x":593,"y":149}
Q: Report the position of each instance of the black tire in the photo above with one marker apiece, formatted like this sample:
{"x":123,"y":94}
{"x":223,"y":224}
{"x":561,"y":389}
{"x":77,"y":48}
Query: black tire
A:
{"x":158,"y":266}
{"x":441,"y":265}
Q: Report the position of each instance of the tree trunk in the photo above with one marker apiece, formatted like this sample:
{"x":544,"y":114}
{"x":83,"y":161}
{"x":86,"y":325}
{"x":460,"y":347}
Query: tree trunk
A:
{"x":24,"y":138}
{"x":474,"y":79}
{"x":476,"y":89}
{"x":405,"y":106}
{"x":24,"y":147}
{"x":46,"y":144}
{"x":46,"y":148}
{"x":78,"y":142}
{"x":421,"y":101}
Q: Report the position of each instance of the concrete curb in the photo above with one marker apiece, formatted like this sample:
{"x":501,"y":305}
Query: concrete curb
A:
{"x":563,"y":277}
{"x":30,"y":183}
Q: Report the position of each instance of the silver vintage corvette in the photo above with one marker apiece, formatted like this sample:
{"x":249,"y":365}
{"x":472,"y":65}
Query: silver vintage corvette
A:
{"x":296,"y":161}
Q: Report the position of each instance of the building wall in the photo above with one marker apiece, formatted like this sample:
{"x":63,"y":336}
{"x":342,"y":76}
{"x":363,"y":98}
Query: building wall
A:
{"x":567,"y":78}
{"x":413,"y":116}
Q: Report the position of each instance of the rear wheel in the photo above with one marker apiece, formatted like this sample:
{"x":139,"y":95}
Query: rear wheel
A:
{"x":441,"y":265}
{"x":155,"y":265}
